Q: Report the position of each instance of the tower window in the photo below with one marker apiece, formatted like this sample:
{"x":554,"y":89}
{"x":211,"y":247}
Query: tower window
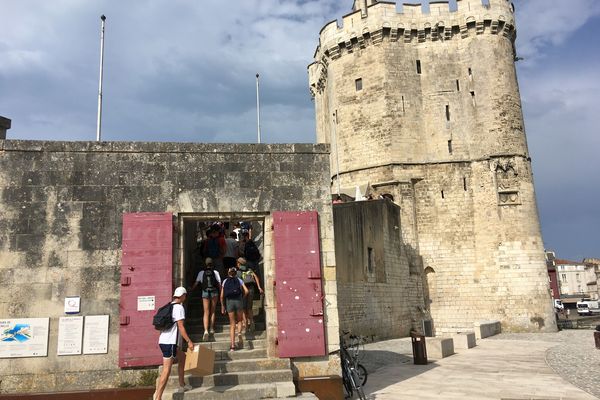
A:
{"x":447,"y":112}
{"x":450,"y":146}
{"x":358,"y":84}
{"x":371,"y":259}
{"x":470,"y":72}
{"x":419,"y":67}
{"x":465,"y":184}
{"x":457,"y":85}
{"x":473,"y":98}
{"x":403,"y":108}
{"x":443,"y":195}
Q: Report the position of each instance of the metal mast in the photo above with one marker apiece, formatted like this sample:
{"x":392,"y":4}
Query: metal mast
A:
{"x":99,"y":123}
{"x":258,"y":106}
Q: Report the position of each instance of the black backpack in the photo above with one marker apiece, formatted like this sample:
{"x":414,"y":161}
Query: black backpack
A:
{"x":251,"y":252}
{"x":232,"y":288}
{"x":209,"y":280}
{"x":163,"y":319}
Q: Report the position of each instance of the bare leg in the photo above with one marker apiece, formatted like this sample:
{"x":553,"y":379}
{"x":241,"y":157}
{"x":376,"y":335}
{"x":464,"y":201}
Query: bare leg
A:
{"x":240,"y":321}
{"x":206,"y":317}
{"x":213,"y":307}
{"x":232,"y":327}
{"x":181,"y":366}
{"x":164,"y":377}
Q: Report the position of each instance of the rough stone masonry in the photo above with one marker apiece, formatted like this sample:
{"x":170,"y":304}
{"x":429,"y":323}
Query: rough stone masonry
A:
{"x":61,"y":207}
{"x":425,"y":106}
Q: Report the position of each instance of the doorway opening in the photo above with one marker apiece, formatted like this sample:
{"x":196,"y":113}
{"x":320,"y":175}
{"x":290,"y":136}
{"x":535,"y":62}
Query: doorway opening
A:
{"x":222,"y":238}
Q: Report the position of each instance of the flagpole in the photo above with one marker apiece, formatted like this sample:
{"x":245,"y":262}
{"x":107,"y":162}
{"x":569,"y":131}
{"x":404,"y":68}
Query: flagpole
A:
{"x":258,"y":106}
{"x":99,"y":122}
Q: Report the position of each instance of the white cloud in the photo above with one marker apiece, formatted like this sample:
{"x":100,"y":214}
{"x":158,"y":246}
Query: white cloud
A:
{"x":543,"y":23}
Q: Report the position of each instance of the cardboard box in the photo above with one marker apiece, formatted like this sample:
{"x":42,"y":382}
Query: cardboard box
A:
{"x":200,"y":361}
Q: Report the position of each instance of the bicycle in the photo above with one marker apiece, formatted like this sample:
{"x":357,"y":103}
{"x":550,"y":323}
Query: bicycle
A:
{"x":351,"y":378}
{"x":353,"y":348}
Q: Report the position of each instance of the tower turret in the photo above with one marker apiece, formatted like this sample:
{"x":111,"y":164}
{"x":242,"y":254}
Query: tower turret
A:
{"x":425,"y":106}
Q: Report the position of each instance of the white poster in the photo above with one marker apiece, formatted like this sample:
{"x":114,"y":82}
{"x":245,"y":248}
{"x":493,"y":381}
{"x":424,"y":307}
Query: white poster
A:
{"x":70,"y":334}
{"x":72,"y":304}
{"x":95,"y":337}
{"x":146,"y":303}
{"x":25,"y":337}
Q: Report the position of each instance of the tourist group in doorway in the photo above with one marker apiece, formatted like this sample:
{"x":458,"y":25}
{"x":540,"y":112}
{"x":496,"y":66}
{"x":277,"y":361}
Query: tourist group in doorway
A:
{"x":235,"y":260}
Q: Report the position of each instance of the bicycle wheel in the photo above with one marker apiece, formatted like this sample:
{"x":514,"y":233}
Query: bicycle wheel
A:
{"x":347,"y":380}
{"x":354,"y":380}
{"x":361,"y":372}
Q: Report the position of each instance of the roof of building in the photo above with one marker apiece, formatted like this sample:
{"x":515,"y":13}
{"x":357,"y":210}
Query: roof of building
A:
{"x":567,"y":262}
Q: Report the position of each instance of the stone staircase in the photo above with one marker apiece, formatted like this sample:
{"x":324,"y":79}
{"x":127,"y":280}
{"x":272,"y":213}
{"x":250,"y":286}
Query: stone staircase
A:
{"x":242,"y":374}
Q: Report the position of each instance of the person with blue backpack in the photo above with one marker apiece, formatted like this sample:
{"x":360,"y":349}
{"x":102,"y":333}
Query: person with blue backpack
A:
{"x":232,"y":293}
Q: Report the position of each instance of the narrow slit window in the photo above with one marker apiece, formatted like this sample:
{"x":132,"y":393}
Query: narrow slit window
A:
{"x":450,"y":146}
{"x":470,"y":72}
{"x":358,"y":84}
{"x":419,"y":67}
{"x":371,"y":259}
{"x":465,"y":184}
{"x":403,"y":108}
{"x":447,"y":112}
{"x":457,"y":85}
{"x":443,"y":194}
{"x":473,"y":98}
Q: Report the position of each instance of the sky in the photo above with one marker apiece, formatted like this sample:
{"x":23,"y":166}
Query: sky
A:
{"x":183,"y":70}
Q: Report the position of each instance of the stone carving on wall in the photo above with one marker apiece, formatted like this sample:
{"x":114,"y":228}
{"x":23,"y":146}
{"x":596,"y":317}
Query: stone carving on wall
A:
{"x":507,"y":182}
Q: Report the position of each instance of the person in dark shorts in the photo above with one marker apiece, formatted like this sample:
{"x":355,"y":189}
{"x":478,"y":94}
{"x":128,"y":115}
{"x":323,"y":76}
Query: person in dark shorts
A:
{"x":232,"y":293}
{"x":252,"y":282}
{"x":170,"y":343}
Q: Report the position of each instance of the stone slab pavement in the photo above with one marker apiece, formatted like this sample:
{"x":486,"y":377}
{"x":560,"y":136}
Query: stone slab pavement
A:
{"x":505,"y":367}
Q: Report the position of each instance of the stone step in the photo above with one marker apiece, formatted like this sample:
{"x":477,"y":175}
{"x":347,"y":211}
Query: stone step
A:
{"x":196,"y":325}
{"x":241,"y":354}
{"x":234,"y":378}
{"x":248,"y":364}
{"x":247,"y":345}
{"x":224,"y":336}
{"x":239,"y":392}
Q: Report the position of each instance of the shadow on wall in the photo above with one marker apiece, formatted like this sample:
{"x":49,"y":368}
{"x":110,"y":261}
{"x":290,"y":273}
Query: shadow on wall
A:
{"x":381,"y":287}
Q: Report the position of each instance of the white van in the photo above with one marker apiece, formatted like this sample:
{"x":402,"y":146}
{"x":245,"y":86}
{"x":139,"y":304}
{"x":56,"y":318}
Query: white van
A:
{"x":558,"y":304}
{"x":588,"y":307}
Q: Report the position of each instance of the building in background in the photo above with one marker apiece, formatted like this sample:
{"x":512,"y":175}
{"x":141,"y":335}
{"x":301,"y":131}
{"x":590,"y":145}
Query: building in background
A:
{"x":578,"y":279}
{"x":552,"y":277}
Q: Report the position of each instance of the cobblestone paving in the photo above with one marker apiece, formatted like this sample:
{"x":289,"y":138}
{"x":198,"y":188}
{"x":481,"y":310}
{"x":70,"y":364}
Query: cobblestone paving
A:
{"x":574,"y":357}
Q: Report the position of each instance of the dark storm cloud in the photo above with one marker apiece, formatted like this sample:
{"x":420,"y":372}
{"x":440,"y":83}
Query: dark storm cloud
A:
{"x":182,"y":70}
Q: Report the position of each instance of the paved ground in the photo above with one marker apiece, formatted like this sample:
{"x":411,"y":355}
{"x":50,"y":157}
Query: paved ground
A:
{"x":507,"y":366}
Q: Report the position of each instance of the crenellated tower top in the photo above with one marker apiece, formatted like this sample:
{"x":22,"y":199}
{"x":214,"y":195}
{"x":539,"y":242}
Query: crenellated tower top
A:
{"x":372,"y":21}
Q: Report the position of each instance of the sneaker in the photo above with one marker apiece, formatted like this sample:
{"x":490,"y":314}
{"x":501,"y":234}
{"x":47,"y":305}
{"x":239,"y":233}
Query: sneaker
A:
{"x":240,"y":340}
{"x":231,"y":348}
{"x":185,"y":388}
{"x":205,"y":336}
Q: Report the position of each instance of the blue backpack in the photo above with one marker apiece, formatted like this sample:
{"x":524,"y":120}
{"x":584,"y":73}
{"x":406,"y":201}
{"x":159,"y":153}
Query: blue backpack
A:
{"x":232,"y":288}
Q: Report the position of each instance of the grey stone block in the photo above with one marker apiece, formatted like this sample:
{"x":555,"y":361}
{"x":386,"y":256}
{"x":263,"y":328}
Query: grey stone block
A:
{"x":485,"y":329}
{"x":440,"y":347}
{"x":464,"y":340}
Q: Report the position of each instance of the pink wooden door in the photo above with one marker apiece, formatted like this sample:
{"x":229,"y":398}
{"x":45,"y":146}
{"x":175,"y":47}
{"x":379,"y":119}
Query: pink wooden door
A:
{"x":301,"y":326}
{"x":146,"y":275}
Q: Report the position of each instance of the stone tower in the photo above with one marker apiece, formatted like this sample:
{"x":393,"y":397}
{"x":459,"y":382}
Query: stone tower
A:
{"x":425,"y":106}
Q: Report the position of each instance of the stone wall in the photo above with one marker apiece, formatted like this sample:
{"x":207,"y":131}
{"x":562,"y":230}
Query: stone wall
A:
{"x":61,"y":206}
{"x":437,"y":122}
{"x":380,"y":292}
